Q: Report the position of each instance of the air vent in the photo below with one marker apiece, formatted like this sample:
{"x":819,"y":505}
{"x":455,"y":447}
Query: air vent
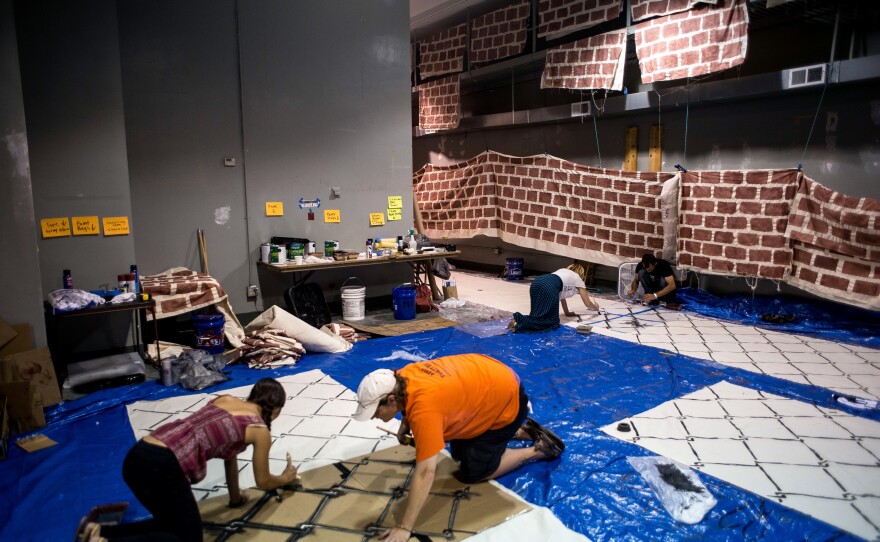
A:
{"x":804,"y":77}
{"x":581,"y":109}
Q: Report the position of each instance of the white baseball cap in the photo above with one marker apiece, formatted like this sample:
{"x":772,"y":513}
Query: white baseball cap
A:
{"x":374,"y":387}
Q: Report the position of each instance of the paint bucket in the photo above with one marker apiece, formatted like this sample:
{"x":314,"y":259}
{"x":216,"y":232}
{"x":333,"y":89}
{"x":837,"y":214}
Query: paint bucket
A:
{"x":265,"y":250}
{"x":353,"y":300}
{"x":329,"y":248}
{"x":514,"y":268}
{"x":209,"y":332}
{"x":404,"y":299}
{"x":294,"y":250}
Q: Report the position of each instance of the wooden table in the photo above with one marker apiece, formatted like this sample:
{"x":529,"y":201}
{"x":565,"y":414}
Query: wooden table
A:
{"x":419,"y":263}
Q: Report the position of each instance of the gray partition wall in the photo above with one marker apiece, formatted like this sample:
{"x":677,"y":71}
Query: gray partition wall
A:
{"x":140,"y":108}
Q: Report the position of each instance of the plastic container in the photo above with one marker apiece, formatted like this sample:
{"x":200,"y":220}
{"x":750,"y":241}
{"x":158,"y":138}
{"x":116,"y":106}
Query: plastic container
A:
{"x":404,"y":299}
{"x":353,"y":298}
{"x":514,"y":268}
{"x":209,"y":332}
{"x":136,"y":288}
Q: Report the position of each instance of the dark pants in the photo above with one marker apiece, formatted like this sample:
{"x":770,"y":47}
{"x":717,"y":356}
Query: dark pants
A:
{"x":156,"y":479}
{"x":652,"y":285}
{"x":544,"y":313}
{"x":480,"y":456}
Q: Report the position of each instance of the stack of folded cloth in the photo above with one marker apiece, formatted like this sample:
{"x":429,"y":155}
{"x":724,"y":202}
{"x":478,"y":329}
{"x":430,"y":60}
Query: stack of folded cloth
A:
{"x":269,"y":348}
{"x":346,"y":332}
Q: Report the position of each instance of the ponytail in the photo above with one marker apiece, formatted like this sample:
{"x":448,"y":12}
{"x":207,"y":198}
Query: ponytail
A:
{"x":268,"y":394}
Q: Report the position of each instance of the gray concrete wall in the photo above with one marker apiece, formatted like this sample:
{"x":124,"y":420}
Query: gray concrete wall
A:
{"x":21,"y":296}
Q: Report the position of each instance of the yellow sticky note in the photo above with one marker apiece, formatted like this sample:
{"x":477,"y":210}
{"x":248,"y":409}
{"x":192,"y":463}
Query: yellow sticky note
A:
{"x":274,"y":208}
{"x":394,"y":214}
{"x":85,"y":225}
{"x":331,"y":215}
{"x":395,"y":202}
{"x":55,"y":227}
{"x":377,"y":219}
{"x":115,"y":225}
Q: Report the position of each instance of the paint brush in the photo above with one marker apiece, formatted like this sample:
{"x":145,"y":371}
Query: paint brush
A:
{"x":410,"y":441}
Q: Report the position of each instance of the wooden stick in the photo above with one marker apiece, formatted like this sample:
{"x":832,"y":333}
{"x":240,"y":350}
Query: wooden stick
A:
{"x":203,"y":250}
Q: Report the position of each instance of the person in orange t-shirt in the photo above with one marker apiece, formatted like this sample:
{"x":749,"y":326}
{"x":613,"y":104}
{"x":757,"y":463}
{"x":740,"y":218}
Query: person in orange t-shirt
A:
{"x":474,"y":402}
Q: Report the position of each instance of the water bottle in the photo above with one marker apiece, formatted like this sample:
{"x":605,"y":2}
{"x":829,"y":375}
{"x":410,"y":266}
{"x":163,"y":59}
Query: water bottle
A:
{"x":399,"y":243}
{"x":68,"y":279}
{"x":369,"y":249}
{"x":136,"y":288}
{"x":167,"y":377}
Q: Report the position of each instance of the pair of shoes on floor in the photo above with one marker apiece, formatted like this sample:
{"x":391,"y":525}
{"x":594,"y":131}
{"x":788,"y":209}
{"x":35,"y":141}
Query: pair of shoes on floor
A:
{"x":546,"y":442}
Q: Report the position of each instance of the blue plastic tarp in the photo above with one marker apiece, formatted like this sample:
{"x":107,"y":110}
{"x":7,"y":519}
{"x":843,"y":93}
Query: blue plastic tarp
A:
{"x":577,"y":384}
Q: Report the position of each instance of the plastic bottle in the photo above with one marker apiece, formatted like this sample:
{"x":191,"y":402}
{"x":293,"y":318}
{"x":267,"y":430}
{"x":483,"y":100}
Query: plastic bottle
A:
{"x":137,"y":280}
{"x":399,"y":243}
{"x":68,"y":279}
{"x":167,"y":377}
{"x":369,"y":249}
{"x":413,"y":244}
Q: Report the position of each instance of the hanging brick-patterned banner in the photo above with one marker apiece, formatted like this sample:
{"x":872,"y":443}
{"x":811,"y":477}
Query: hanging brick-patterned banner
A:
{"x":706,"y":39}
{"x":733,"y":222}
{"x":590,"y":63}
{"x":644,"y":9}
{"x":560,"y":17}
{"x":440,"y":104}
{"x":545,"y":203}
{"x":443,"y":52}
{"x":499,"y":34}
{"x":836,"y":244}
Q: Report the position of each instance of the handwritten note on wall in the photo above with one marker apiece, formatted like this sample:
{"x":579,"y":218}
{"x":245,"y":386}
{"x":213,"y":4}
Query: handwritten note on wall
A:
{"x":115,"y":225}
{"x":55,"y":227}
{"x":394,"y":214}
{"x":395,"y":202}
{"x":377,"y":219}
{"x":85,"y":225}
{"x":332,"y":215}
{"x":274,"y":208}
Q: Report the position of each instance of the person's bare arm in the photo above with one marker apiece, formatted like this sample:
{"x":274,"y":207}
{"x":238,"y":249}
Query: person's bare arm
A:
{"x":236,"y":498}
{"x":423,"y":479}
{"x":262,"y":441}
{"x":670,"y":287}
{"x":565,"y":310}
{"x":588,"y":301}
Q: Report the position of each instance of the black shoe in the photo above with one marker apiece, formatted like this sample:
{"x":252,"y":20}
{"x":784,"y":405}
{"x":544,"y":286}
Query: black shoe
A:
{"x":546,"y":442}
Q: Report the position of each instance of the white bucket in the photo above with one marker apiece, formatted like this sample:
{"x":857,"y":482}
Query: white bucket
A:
{"x":353,"y":300}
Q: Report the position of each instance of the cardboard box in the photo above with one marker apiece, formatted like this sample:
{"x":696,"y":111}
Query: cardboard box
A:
{"x":21,"y":342}
{"x":32,"y":366}
{"x":24,"y":405}
{"x":7,"y":333}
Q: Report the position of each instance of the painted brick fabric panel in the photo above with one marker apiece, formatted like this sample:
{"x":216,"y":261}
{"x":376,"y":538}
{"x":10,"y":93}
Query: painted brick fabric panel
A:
{"x":443,"y":52}
{"x":559,"y":17}
{"x":440,"y":104}
{"x":644,"y":9}
{"x":590,"y":63}
{"x":836,"y":244}
{"x":545,"y":203}
{"x":499,"y":34}
{"x":734,"y":222}
{"x":706,"y":39}
{"x":458,"y":200}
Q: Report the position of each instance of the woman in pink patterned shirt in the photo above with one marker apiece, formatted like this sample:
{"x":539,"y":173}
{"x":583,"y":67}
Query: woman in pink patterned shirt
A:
{"x":160,"y":468}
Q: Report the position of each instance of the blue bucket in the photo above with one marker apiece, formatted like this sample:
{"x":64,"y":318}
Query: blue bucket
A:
{"x":514,"y":268}
{"x":209,"y":332}
{"x":404,"y":298}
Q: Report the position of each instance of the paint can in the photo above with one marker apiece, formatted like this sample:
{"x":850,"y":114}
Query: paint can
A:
{"x":311,"y":248}
{"x":294,"y":250}
{"x":329,"y":248}
{"x":353,"y":298}
{"x":265,"y":250}
{"x":514,"y":268}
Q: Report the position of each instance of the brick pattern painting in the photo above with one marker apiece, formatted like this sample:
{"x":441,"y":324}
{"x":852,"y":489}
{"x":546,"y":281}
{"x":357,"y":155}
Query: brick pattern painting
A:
{"x":703,"y":40}
{"x":559,"y":17}
{"x":440,"y":104}
{"x":836,"y":244}
{"x":443,"y":52}
{"x":645,"y":9}
{"x":545,"y":203}
{"x":591,"y":63}
{"x":734,"y":222}
{"x":500,"y":34}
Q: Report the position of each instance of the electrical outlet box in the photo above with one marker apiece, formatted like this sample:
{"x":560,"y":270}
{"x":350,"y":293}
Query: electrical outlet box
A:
{"x":253,"y":290}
